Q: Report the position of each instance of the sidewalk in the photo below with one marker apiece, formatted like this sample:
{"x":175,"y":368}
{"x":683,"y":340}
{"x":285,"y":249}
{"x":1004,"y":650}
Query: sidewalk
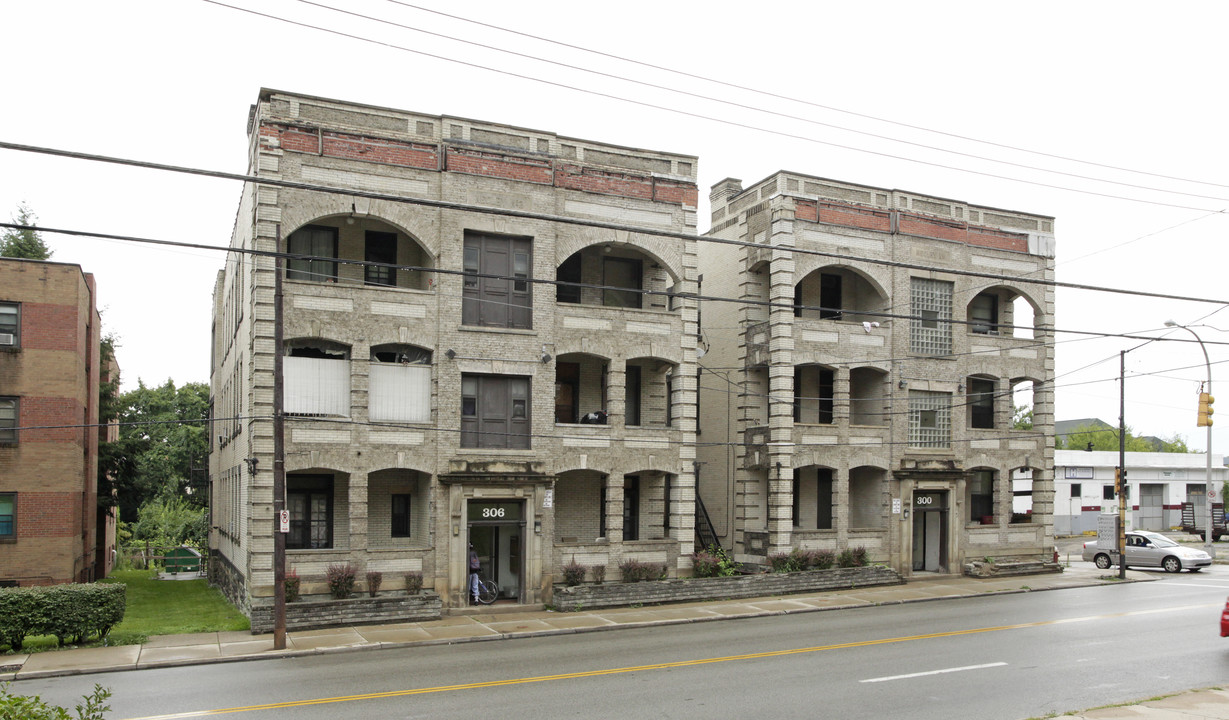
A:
{"x":496,"y":623}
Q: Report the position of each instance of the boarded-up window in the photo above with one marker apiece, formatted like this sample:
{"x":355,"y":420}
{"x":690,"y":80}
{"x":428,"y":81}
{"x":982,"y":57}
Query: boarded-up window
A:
{"x":316,"y":385}
{"x":399,"y":384}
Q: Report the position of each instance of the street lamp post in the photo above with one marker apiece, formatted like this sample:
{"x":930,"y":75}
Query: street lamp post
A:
{"x":1209,"y":493}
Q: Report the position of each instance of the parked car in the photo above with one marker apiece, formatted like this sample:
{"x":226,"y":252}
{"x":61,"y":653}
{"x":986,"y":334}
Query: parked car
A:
{"x":1149,"y":549}
{"x":1224,"y":620}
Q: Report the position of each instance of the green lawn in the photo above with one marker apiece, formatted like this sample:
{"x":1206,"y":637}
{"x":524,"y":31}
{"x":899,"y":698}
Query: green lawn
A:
{"x":160,"y":607}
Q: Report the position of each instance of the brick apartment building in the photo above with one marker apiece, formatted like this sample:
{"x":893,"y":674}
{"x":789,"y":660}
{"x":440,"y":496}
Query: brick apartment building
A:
{"x":507,"y":361}
{"x":864,"y":381}
{"x":49,"y":375}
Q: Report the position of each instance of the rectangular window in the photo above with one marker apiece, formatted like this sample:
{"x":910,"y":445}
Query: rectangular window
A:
{"x":981,"y":403}
{"x":382,"y":249}
{"x":631,"y":507}
{"x":495,"y":412}
{"x":497,"y":290}
{"x":984,"y":314}
{"x":399,"y":387}
{"x":1107,"y":492}
{"x":567,"y":390}
{"x":823,"y":498}
{"x":930,"y":330}
{"x":814,"y":389}
{"x":401,"y":516}
{"x":316,"y":249}
{"x":622,"y":273}
{"x":10,"y":325}
{"x":631,"y":414}
{"x":309,"y":498}
{"x":8,"y":419}
{"x":1076,"y":490}
{"x":8,"y":516}
{"x":568,"y":272}
{"x":830,"y":296}
{"x":316,"y":383}
{"x":930,"y":419}
{"x":981,"y":495}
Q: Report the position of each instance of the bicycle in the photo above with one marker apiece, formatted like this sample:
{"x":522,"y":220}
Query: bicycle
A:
{"x":488,"y":591}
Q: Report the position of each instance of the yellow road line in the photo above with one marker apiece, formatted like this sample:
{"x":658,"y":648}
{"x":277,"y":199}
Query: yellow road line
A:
{"x":656,"y":666}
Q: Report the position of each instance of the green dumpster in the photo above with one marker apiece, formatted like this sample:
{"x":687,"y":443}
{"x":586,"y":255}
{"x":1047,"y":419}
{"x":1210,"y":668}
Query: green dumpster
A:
{"x":183,"y":560}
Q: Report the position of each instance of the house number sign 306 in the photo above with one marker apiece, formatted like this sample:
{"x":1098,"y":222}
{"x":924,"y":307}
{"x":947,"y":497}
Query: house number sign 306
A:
{"x":492,"y":512}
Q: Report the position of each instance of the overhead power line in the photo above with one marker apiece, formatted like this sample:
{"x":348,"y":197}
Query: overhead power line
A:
{"x":696,"y":115}
{"x":745,"y":106}
{"x":778,"y":96}
{"x":463,"y":207}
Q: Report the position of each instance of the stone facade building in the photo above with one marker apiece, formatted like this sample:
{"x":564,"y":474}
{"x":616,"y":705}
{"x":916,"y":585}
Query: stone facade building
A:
{"x":49,"y":374}
{"x":489,"y":339}
{"x":859,"y":392}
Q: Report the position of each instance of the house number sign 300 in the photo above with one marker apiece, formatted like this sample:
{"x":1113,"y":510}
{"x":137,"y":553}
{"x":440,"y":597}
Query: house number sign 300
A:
{"x":492,"y":512}
{"x":925,"y":499}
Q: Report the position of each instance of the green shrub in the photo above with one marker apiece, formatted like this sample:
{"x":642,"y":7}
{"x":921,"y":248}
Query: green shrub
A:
{"x":782,"y":562}
{"x":599,"y":574}
{"x":823,"y":559}
{"x":860,"y":558}
{"x":713,"y":562}
{"x":21,"y":707}
{"x":573,"y":573}
{"x":846,"y":559}
{"x":375,"y":578}
{"x":636,"y":571}
{"x":413,"y":583}
{"x":341,"y":580}
{"x":75,"y":611}
{"x":293,"y":585}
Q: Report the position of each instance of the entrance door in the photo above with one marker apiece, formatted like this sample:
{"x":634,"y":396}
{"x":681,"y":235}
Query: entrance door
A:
{"x":930,"y":531}
{"x":497,"y":531}
{"x":1150,"y":506}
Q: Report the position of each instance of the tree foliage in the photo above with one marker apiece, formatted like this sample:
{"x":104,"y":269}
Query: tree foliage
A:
{"x":26,"y":244}
{"x":1092,"y":437}
{"x":162,"y":444}
{"x":1022,"y":417}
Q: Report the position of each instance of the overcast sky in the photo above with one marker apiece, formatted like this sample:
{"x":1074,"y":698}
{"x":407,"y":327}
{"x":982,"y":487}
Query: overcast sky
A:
{"x":1135,"y":90}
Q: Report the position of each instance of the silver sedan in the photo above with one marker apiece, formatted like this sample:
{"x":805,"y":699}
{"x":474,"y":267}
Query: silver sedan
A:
{"x":1149,"y":549}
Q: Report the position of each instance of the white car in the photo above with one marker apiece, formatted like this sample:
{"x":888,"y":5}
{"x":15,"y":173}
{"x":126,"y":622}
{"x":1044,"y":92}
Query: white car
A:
{"x":1149,"y":549}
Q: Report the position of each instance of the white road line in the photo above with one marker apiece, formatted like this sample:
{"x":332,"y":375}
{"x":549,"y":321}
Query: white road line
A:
{"x":934,"y":672}
{"x":1172,"y":583}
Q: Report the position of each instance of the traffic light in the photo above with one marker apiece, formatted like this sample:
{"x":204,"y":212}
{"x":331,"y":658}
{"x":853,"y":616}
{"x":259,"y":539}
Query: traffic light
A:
{"x":1205,"y":409}
{"x":1117,"y":481}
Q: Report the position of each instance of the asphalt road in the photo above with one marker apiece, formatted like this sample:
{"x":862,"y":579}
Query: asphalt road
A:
{"x":1008,"y":656}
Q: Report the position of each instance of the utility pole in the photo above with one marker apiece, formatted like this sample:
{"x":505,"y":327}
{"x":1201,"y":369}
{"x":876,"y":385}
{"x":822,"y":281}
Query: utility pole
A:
{"x":279,"y":461}
{"x":1205,"y":419}
{"x":1120,"y":479}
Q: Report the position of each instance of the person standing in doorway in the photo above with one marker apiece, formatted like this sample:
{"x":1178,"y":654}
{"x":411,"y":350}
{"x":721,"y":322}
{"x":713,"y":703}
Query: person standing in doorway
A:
{"x":474,"y":567}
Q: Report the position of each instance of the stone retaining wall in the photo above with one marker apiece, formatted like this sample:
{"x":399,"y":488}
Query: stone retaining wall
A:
{"x":587,"y":597}
{"x":309,"y":614}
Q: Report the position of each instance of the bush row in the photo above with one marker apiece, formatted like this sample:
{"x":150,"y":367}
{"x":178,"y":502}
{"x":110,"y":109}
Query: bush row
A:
{"x":69,"y":612}
{"x":797,"y":559}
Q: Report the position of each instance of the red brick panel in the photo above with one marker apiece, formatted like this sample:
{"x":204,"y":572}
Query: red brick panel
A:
{"x":989,"y":237}
{"x":806,"y":210}
{"x":354,"y":147}
{"x":389,"y":152}
{"x":38,"y":412}
{"x":575,"y":177}
{"x":48,"y":515}
{"x":498,"y":165}
{"x":48,"y":327}
{"x":678,"y":193}
{"x":856,"y":217}
{"x":922,"y":226}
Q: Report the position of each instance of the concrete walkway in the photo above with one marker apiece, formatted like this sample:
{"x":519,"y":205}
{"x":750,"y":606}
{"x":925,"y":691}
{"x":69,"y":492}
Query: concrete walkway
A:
{"x":499,"y":623}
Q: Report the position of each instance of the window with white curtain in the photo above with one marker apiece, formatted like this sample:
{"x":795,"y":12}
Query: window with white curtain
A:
{"x":317,"y":380}
{"x":399,"y":384}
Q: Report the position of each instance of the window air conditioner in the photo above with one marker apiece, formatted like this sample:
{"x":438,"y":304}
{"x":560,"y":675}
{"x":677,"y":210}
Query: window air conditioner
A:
{"x":8,"y":339}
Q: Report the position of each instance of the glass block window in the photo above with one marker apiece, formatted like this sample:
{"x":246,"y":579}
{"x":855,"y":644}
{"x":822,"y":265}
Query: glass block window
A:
{"x":930,"y":419}
{"x":930,"y":330}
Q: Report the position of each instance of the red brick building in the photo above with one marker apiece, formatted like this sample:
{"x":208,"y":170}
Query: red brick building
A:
{"x":49,"y":375}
